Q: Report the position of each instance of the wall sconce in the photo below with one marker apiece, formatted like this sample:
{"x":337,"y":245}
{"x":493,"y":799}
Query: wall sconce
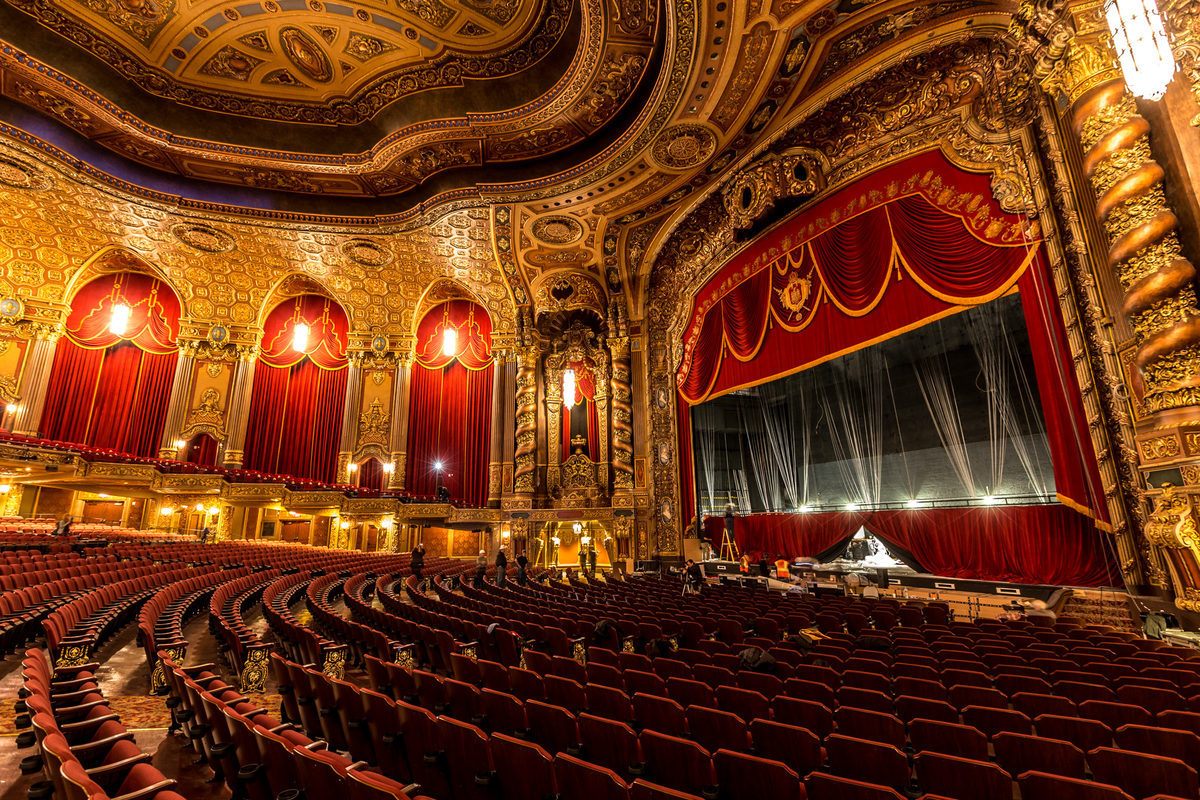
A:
{"x":11,"y":408}
{"x":569,"y":389}
{"x":179,"y":444}
{"x":352,"y":467}
{"x":5,"y":488}
{"x":389,"y":467}
{"x":386,"y":524}
{"x":118,"y":322}
{"x":344,"y":525}
{"x":300,"y":332}
{"x":166,"y":511}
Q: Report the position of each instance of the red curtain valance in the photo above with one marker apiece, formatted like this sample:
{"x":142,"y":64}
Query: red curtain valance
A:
{"x":901,"y":247}
{"x":153,"y":322}
{"x":1044,"y":544}
{"x":327,"y":333}
{"x":474,"y":328}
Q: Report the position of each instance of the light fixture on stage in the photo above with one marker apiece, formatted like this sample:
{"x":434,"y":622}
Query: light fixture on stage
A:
{"x":988,"y":500}
{"x":118,"y":322}
{"x":449,"y":342}
{"x":569,"y":388}
{"x":1143,"y":50}
{"x":852,"y":506}
{"x":914,"y":503}
{"x":300,"y":332}
{"x":804,"y":509}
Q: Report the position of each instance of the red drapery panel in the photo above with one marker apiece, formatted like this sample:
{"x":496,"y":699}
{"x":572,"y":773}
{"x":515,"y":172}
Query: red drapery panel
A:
{"x":326,"y":342}
{"x":111,"y":389}
{"x":909,"y":244}
{"x":202,"y":450}
{"x":371,"y":474}
{"x":687,"y":469}
{"x":1044,"y":544}
{"x":152,"y":322}
{"x":450,"y":409}
{"x":473,"y":329}
{"x":295,"y":420}
{"x":296,"y":405}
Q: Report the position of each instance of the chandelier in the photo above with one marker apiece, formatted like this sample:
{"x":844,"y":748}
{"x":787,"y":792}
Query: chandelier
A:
{"x":1142,"y":46}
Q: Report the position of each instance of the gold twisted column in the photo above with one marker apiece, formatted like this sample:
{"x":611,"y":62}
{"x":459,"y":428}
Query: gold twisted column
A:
{"x":622,"y":414}
{"x":1160,"y":301}
{"x":525,"y":457}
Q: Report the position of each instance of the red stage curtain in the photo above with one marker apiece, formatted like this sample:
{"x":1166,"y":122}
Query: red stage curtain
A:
{"x":298,"y":399}
{"x":1045,"y":544}
{"x":111,"y":390}
{"x":202,"y":450}
{"x":687,"y":469}
{"x":912,"y":243}
{"x":450,"y":409}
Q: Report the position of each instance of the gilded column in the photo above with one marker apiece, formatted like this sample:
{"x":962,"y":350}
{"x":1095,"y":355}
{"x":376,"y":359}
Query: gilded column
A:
{"x":177,"y":406}
{"x":399,"y":432}
{"x":622,"y":415}
{"x":525,"y":455}
{"x":1075,"y":61}
{"x":35,"y":378}
{"x":238,"y":407}
{"x":496,"y":457}
{"x":350,"y":413}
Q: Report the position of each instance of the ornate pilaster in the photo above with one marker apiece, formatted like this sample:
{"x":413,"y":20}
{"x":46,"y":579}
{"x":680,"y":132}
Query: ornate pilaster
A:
{"x":496,"y":456}
{"x":238,"y":407}
{"x":177,"y":406}
{"x":525,"y":457}
{"x":35,"y":377}
{"x":350,"y":412}
{"x":622,"y":415}
{"x":400,"y":403}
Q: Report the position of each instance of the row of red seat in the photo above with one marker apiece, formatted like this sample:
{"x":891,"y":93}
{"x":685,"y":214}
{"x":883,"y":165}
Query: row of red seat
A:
{"x":259,"y":756}
{"x":24,"y":609}
{"x":228,"y":603}
{"x":161,"y":618}
{"x":86,"y":753}
{"x":82,"y":624}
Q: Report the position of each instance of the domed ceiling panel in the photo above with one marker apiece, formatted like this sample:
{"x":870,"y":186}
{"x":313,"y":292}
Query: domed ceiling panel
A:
{"x":246,"y":94}
{"x":304,"y":60}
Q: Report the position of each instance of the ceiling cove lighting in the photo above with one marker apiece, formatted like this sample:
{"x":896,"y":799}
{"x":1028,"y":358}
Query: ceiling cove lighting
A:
{"x":1142,"y":47}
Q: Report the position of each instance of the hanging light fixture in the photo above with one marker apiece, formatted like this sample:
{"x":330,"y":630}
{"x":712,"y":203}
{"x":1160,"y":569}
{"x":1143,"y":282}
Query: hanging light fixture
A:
{"x":1142,"y":46}
{"x":118,"y":322}
{"x":569,"y":389}
{"x":449,"y":342}
{"x":300,"y":332}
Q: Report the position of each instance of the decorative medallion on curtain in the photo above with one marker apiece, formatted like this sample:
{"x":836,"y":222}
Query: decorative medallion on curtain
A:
{"x":581,"y":426}
{"x":299,"y":395}
{"x":909,"y":244}
{"x":111,"y":379}
{"x":450,"y":413}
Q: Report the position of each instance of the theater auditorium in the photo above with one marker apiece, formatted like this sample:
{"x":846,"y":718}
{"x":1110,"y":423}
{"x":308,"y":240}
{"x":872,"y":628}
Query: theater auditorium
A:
{"x":599,"y":400}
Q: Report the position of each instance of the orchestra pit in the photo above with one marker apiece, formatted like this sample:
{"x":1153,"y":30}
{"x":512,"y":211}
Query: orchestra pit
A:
{"x":599,"y":400}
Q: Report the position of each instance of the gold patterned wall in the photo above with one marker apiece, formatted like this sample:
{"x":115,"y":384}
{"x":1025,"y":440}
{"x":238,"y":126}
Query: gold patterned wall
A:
{"x":53,"y":225}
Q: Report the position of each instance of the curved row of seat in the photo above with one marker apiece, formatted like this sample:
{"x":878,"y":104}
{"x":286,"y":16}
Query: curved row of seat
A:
{"x":238,"y":642}
{"x":161,"y":619}
{"x":261,"y":757}
{"x":75,"y":629}
{"x":86,"y":753}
